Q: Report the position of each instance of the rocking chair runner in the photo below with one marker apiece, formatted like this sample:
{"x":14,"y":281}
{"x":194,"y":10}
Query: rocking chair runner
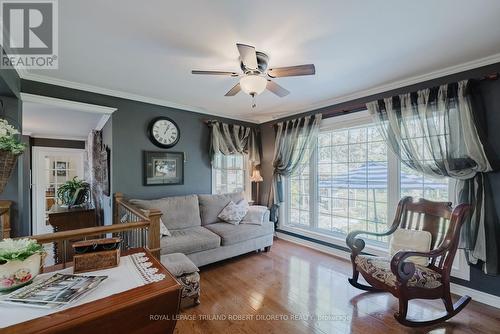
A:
{"x":404,"y":279}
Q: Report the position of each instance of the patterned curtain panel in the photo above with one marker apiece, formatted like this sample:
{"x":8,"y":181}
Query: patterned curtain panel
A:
{"x":233,"y":138}
{"x":96,"y":172}
{"x":295,"y":141}
{"x":438,"y":132}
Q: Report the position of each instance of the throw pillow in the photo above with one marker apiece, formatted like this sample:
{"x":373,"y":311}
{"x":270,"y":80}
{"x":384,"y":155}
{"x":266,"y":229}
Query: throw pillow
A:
{"x":233,"y":213}
{"x":255,"y":215}
{"x":413,"y":240}
{"x":164,"y":230}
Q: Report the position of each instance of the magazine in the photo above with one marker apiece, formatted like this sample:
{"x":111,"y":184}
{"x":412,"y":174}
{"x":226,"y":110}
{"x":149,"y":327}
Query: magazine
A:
{"x":55,"y":291}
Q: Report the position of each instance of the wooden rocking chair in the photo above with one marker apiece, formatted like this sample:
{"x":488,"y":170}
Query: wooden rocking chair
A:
{"x":404,"y":279}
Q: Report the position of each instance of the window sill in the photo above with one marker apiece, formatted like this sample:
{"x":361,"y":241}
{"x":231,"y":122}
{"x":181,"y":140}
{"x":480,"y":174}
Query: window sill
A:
{"x":370,"y":248}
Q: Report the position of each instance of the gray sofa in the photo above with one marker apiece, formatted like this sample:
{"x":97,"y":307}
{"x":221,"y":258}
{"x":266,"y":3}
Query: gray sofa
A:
{"x":197,"y":232}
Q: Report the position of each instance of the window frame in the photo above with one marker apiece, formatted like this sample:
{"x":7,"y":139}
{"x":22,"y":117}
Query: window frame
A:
{"x":247,"y":184}
{"x":460,"y":267}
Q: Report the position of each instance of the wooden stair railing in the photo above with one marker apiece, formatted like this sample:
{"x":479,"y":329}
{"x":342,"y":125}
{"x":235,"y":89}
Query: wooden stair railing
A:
{"x":126,"y":212}
{"x":136,"y":228}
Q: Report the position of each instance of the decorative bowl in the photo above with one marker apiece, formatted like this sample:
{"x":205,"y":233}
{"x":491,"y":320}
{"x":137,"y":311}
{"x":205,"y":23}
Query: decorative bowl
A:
{"x":15,"y":274}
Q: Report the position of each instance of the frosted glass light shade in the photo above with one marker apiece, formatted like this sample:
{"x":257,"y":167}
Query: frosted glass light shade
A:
{"x":253,"y":84}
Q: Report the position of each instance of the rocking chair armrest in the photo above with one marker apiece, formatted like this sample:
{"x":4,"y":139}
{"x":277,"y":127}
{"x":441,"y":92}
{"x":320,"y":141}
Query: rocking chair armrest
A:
{"x":404,"y":270}
{"x":356,"y":244}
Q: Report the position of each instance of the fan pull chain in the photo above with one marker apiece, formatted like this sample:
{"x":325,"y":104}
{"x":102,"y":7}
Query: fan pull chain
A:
{"x":254,"y":103}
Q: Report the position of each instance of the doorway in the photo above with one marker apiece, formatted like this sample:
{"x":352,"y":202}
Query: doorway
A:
{"x":51,"y":167}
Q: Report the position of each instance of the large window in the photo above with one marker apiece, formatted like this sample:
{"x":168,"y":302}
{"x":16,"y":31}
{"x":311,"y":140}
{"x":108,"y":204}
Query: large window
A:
{"x":229,"y":174}
{"x":353,"y":182}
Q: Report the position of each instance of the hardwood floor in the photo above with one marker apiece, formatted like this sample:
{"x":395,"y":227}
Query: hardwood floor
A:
{"x":294,"y":289}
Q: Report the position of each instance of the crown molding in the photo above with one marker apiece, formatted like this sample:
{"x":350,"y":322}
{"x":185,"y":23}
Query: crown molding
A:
{"x":123,"y":95}
{"x":277,"y":113}
{"x":73,"y":105}
{"x":390,"y":86}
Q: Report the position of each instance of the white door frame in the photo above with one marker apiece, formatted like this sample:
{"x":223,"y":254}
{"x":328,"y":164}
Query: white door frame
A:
{"x":37,"y":177}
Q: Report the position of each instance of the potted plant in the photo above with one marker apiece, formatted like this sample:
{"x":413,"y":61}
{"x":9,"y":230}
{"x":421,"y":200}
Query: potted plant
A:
{"x":10,"y":149}
{"x":74,"y":192}
{"x":20,"y":262}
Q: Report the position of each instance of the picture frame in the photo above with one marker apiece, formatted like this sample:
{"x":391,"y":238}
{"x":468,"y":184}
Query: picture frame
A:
{"x":163,"y":168}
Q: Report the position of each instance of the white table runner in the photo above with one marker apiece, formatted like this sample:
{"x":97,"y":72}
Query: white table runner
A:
{"x":132,"y":272}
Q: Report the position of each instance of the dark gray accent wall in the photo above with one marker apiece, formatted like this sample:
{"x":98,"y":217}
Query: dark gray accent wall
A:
{"x":490,"y":91}
{"x":129,"y":139}
{"x":15,"y":190}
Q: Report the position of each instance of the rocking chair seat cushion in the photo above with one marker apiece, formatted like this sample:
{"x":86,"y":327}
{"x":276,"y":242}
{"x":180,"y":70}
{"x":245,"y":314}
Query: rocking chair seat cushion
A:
{"x":380,"y":269}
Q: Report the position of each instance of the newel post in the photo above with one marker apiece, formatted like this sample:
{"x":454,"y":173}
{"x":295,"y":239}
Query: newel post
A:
{"x":154,"y":216}
{"x":118,"y":198}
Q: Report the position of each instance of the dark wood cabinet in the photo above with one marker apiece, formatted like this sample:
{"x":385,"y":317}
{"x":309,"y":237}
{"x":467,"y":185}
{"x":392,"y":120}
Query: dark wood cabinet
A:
{"x":65,"y":219}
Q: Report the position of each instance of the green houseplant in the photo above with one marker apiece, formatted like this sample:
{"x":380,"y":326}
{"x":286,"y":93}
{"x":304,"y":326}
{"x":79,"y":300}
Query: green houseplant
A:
{"x":20,"y":262}
{"x":10,"y":149}
{"x":74,"y":192}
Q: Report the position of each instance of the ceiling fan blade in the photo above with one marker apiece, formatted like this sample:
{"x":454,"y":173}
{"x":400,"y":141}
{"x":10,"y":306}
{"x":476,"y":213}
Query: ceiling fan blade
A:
{"x":292,"y":71}
{"x":233,"y":74}
{"x":233,"y":91}
{"x":277,"y":89}
{"x":248,"y":56}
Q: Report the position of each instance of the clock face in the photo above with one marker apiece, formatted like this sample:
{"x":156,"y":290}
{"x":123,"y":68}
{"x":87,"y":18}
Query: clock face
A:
{"x":164,"y":132}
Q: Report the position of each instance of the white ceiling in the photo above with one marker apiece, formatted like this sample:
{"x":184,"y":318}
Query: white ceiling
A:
{"x":146,"y":50}
{"x":50,"y":121}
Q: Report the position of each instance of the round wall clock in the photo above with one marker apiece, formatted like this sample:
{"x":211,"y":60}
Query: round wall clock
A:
{"x":163,"y":132}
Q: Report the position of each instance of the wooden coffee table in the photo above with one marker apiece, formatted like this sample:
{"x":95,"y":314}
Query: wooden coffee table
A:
{"x":151,"y":308}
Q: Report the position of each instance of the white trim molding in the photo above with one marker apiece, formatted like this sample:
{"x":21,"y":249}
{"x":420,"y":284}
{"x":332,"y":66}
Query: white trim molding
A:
{"x":470,"y":65}
{"x":68,"y":104}
{"x":124,"y":95}
{"x":457,"y":289}
{"x":273,"y":113}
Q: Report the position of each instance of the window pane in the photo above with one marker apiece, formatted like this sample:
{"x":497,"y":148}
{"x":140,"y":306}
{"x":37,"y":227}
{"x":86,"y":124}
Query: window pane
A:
{"x":228,"y":173}
{"x":352,"y":180}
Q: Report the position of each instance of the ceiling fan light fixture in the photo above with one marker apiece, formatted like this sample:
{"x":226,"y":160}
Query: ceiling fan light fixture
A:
{"x":253,"y":84}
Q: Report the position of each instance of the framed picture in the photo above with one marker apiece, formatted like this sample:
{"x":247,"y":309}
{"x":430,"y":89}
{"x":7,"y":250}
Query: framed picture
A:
{"x":60,"y":168}
{"x":163,"y":168}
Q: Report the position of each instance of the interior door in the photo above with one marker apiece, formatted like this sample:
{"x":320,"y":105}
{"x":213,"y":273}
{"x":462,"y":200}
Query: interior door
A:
{"x":51,"y":167}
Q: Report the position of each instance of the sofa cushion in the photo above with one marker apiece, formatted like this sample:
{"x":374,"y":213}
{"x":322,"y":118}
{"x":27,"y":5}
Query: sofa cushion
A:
{"x":189,"y":240}
{"x":233,"y":234}
{"x":212,"y":205}
{"x":178,"y":211}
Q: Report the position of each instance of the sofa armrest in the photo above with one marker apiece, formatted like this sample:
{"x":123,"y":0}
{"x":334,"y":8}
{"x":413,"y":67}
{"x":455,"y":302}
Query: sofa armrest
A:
{"x":258,"y":214}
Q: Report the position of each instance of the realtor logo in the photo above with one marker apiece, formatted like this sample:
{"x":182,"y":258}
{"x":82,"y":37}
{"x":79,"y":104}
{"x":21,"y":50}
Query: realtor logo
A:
{"x":29,"y":34}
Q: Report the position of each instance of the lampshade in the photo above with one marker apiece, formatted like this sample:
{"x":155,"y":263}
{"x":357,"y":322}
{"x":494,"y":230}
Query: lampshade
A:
{"x":253,"y":84}
{"x":256,"y":177}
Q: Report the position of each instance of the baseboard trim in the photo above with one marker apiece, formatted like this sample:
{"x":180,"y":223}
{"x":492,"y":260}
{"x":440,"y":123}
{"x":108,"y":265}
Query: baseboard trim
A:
{"x":476,"y":295}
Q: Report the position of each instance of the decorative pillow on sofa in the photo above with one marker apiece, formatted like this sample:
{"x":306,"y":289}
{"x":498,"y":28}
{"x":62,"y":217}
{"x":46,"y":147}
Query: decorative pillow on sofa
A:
{"x":164,"y":232}
{"x":212,"y":205}
{"x":233,"y":213}
{"x":255,"y":215}
{"x":403,"y":239}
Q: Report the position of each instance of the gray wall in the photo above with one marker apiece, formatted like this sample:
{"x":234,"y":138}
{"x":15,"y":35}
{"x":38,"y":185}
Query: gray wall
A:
{"x":15,"y":189}
{"x":128,"y":132}
{"x":491,"y":96}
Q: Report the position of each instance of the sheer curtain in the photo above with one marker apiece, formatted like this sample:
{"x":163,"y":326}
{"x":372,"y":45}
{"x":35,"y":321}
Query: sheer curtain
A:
{"x":437,"y":132}
{"x":233,"y":138}
{"x":295,"y":141}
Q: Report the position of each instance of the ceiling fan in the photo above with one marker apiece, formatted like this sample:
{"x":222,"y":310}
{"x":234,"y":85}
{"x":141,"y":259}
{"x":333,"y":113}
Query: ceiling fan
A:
{"x":256,"y":76}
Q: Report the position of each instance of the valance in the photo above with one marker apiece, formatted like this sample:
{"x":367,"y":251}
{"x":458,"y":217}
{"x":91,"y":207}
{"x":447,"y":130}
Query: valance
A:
{"x":233,"y":139}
